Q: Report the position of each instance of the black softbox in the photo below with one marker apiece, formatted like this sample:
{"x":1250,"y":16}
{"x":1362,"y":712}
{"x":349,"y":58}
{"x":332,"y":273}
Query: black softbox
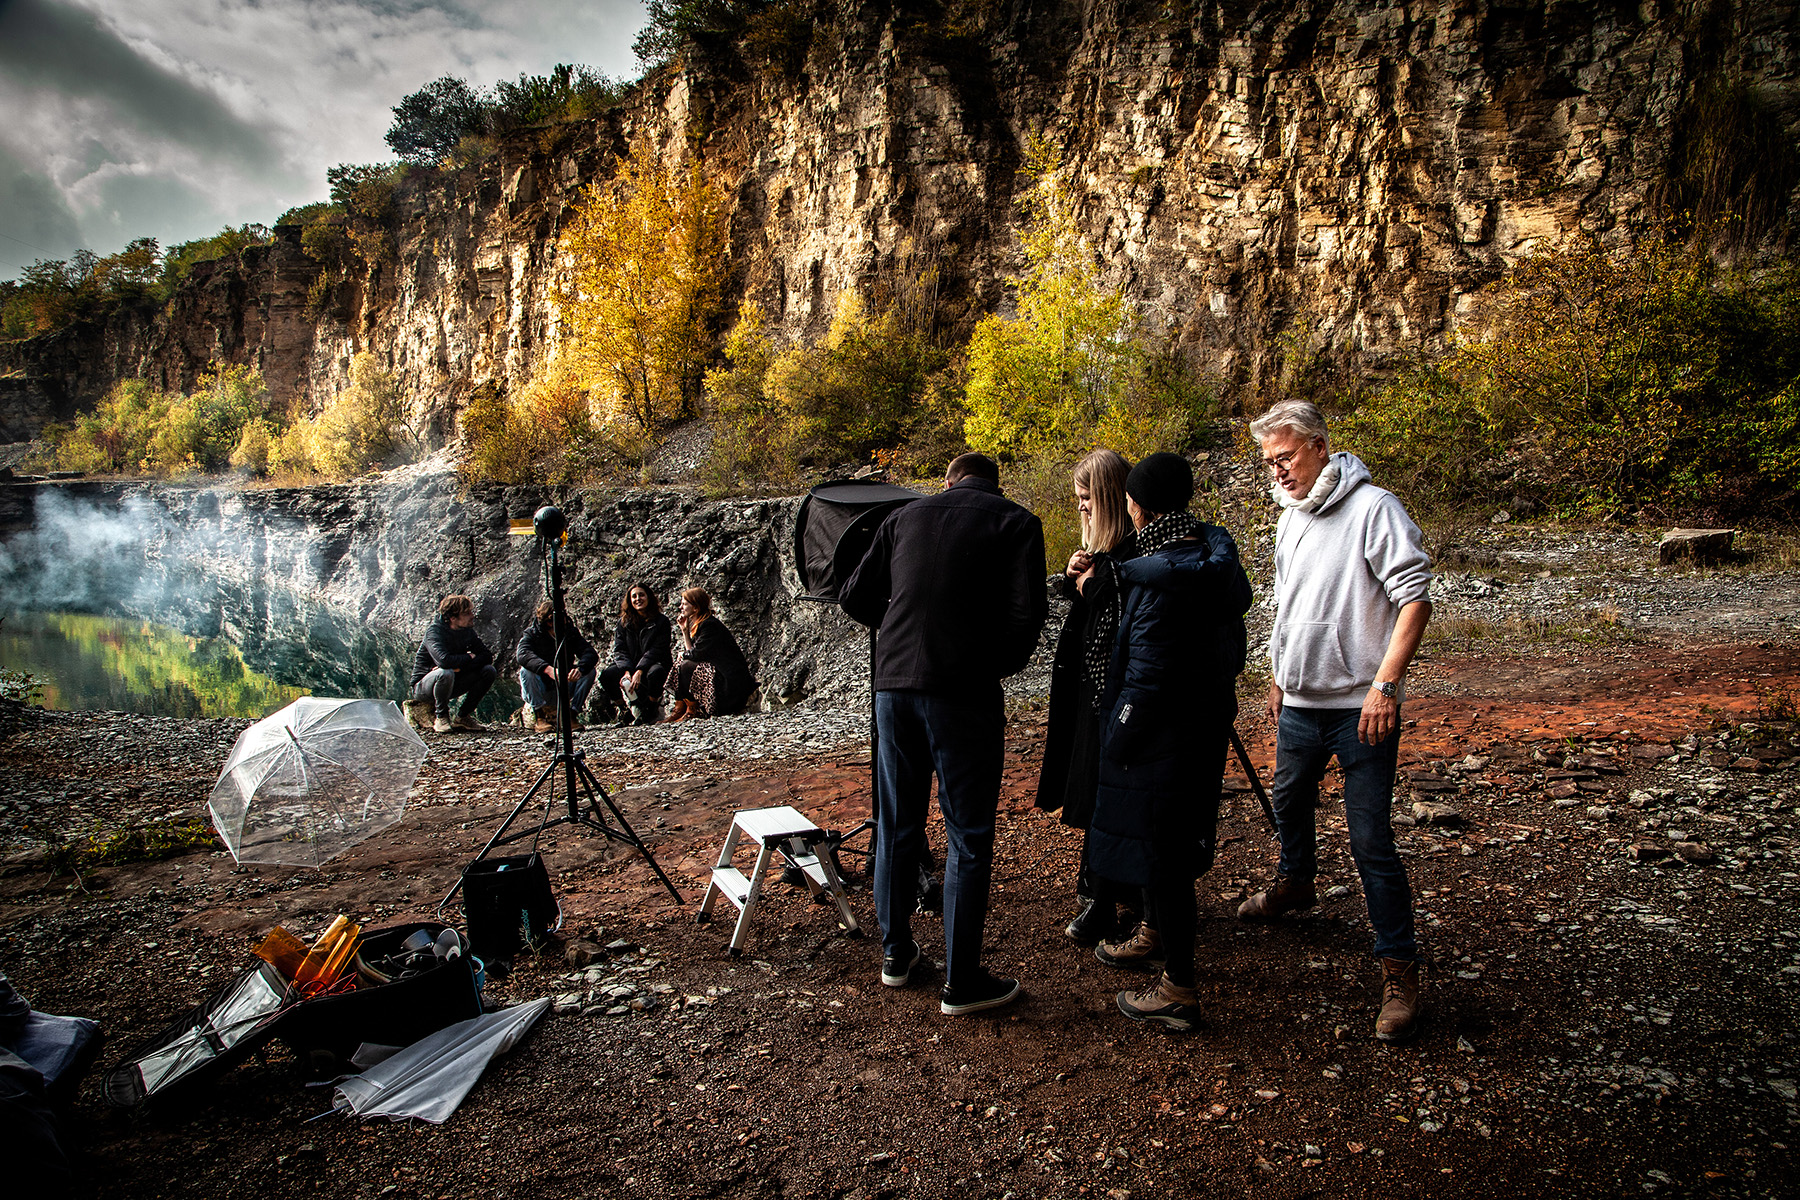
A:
{"x":834,"y":528}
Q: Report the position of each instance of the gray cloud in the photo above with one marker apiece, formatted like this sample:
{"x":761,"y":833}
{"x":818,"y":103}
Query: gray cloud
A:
{"x":171,"y":118}
{"x":39,"y":223}
{"x":66,"y":51}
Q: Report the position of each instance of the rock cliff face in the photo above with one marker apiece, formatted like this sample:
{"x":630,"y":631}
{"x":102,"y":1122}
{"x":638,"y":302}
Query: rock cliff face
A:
{"x":332,"y":586}
{"x":1334,"y":178}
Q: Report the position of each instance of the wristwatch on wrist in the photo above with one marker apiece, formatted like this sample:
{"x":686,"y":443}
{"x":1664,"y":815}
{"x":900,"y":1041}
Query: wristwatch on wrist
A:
{"x":1390,"y":690}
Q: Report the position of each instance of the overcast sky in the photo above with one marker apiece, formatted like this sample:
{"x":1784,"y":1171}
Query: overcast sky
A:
{"x":171,"y":119}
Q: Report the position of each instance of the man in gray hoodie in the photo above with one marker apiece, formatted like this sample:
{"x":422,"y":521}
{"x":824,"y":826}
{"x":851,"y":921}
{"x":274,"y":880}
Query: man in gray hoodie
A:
{"x":1351,"y":588}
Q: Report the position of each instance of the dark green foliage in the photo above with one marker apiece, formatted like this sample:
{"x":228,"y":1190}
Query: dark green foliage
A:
{"x":672,"y":23}
{"x":228,"y":242}
{"x":364,"y":190}
{"x":429,"y":123}
{"x":52,"y":293}
{"x":568,"y":93}
{"x":1602,"y":379}
{"x":306,"y":214}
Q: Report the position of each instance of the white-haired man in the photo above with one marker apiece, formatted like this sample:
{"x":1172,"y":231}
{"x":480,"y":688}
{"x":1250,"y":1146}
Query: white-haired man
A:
{"x":1351,"y":588}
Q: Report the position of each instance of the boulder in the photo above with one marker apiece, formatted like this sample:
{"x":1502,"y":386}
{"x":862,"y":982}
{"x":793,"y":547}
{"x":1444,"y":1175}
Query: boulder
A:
{"x":1701,"y":547}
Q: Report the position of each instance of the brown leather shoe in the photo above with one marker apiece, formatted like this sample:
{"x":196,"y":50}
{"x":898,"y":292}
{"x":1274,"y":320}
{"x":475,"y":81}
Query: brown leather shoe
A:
{"x":1400,"y":1006}
{"x":680,"y":712}
{"x":1285,"y":897}
{"x":1142,"y":951}
{"x":544,"y":721}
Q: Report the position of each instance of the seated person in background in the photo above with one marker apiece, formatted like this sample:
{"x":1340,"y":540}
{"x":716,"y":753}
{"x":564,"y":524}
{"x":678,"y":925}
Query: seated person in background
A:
{"x":452,"y":662}
{"x":537,"y":668}
{"x":633,"y":682}
{"x":712,"y":678}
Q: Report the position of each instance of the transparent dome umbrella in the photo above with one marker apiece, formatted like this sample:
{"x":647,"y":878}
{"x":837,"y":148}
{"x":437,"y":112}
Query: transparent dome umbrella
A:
{"x":311,"y":780}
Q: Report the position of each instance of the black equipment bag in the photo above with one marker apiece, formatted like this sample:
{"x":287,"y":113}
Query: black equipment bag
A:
{"x":397,"y":1012}
{"x":508,"y":904}
{"x":836,"y":525}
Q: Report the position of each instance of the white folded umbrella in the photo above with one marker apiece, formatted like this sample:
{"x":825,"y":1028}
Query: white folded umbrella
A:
{"x":429,"y":1078}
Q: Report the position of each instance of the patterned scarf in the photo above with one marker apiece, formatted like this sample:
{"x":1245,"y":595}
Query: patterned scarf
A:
{"x":1170,"y":527}
{"x":1106,"y":616}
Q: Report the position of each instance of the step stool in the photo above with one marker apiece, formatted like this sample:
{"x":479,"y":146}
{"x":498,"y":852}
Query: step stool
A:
{"x":785,"y":829}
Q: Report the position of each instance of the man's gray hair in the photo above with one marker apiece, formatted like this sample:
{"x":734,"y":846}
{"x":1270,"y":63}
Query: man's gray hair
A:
{"x":1301,"y":416}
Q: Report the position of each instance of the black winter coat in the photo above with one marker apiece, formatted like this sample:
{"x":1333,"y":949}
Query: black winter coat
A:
{"x":537,"y":650}
{"x":1071,"y":767}
{"x":732,"y":681}
{"x":452,"y":649}
{"x":640,"y":647}
{"x":1171,"y":698}
{"x":955,"y":584}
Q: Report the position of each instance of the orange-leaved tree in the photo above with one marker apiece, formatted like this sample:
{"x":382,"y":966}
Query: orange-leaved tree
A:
{"x":646,"y":251}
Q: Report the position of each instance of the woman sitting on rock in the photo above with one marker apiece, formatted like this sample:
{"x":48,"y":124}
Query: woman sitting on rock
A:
{"x":712,"y":678}
{"x":633,"y":681}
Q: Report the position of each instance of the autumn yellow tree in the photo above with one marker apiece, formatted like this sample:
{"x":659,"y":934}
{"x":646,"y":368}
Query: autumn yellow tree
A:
{"x":647,"y":252}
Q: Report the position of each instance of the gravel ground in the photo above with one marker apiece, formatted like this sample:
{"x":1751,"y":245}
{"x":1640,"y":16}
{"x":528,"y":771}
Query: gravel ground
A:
{"x":1602,"y":844}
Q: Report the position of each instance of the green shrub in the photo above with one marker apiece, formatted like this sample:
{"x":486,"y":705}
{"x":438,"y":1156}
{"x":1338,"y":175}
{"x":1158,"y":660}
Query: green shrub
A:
{"x":363,"y":427}
{"x":181,"y":259}
{"x":139,"y":428}
{"x":1597,"y":379}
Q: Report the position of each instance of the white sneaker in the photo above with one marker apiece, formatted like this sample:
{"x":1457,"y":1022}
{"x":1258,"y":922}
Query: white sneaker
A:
{"x":440,"y":725}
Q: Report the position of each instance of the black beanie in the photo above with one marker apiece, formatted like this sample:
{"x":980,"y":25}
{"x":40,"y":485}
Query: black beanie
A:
{"x":1162,"y":483}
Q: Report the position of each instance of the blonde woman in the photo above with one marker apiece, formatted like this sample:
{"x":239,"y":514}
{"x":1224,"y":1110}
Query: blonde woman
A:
{"x":1071,"y":767}
{"x":712,"y":677}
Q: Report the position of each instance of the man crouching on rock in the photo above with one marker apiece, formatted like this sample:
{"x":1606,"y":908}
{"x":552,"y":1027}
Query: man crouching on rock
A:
{"x":1351,"y":581}
{"x":452,"y":662}
{"x":536,"y":653}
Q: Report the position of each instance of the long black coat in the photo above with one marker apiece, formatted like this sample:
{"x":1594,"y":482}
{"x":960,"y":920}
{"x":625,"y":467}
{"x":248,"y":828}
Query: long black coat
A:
{"x":1070,"y":770}
{"x":732,"y":681}
{"x":639,"y":647}
{"x":1171,"y":698}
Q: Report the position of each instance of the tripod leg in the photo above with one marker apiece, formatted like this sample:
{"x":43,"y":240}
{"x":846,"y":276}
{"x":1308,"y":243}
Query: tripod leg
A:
{"x":547,"y":776}
{"x":597,"y":794}
{"x":1256,"y":786}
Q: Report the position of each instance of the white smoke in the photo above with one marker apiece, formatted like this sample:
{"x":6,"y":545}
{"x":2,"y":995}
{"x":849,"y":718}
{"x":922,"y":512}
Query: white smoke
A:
{"x":78,"y":556}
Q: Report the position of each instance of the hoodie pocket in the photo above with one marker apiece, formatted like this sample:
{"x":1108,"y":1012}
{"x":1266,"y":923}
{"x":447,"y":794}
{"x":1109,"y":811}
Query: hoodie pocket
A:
{"x":1312,"y":659}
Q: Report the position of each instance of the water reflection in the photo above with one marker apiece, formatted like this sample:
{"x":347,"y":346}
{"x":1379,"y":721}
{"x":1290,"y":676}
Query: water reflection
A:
{"x":128,"y":664}
{"x":90,"y":662}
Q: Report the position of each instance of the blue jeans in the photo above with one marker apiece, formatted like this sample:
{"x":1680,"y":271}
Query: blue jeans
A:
{"x":541,"y":693}
{"x":441,"y":686}
{"x":960,"y":740}
{"x":1305,"y":742}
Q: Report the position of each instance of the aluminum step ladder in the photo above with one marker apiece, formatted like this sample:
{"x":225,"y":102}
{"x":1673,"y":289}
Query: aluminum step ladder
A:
{"x":785,"y":830}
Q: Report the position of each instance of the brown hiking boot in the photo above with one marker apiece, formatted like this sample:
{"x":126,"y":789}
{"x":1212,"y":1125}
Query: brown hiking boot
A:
{"x":1400,"y":1006}
{"x":1142,"y":951}
{"x":1285,"y":897}
{"x":543,"y":720}
{"x":1163,"y":1002}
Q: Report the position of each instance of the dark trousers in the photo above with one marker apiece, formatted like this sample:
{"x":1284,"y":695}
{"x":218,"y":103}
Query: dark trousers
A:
{"x":1169,"y":909}
{"x":441,"y":686}
{"x":1305,"y":741}
{"x":960,"y":741}
{"x":652,"y":689}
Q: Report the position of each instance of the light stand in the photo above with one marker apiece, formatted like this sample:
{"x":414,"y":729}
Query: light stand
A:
{"x":582,"y":794}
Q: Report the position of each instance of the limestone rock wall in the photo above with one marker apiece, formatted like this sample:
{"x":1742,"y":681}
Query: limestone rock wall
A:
{"x":1329,"y":177}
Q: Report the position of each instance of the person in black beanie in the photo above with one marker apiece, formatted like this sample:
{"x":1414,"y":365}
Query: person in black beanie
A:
{"x":1169,"y":703}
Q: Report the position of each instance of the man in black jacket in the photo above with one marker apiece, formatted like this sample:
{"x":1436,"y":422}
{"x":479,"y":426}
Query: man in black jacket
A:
{"x":536,"y":653}
{"x":452,"y":662}
{"x":955,"y":584}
